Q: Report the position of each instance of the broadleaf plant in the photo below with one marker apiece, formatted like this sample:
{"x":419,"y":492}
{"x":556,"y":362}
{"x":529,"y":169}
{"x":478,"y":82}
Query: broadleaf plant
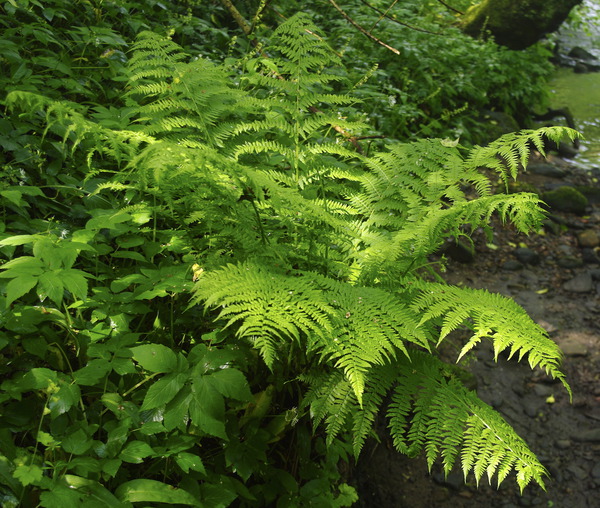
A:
{"x":226,"y":272}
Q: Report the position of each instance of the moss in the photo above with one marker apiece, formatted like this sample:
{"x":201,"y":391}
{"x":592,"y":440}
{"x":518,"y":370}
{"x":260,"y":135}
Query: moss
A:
{"x":566,"y":199}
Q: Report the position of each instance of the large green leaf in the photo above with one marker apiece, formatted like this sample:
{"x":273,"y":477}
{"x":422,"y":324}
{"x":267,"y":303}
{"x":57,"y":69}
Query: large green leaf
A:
{"x":155,"y":358}
{"x":162,"y":391}
{"x":152,"y":491}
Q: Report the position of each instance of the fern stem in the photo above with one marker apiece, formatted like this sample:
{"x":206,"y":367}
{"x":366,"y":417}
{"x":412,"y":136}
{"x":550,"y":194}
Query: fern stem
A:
{"x":263,"y":236}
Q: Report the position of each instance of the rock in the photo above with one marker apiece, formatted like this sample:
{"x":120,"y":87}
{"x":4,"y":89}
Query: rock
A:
{"x":531,"y":410}
{"x":588,"y":238}
{"x":496,"y":400}
{"x":581,"y":54}
{"x":581,"y":283}
{"x":595,"y":473}
{"x":454,"y":480}
{"x":589,"y":256}
{"x":592,"y":193}
{"x":589,"y":436}
{"x":563,"y":444}
{"x":566,"y":199}
{"x":527,"y":256}
{"x":542,"y":390}
{"x":551,"y":226}
{"x":581,"y":68}
{"x":569,"y":262}
{"x":577,"y":471}
{"x":545,"y":169}
{"x":567,"y":150}
{"x":460,"y":251}
{"x":511,"y":265}
{"x":572,"y":348}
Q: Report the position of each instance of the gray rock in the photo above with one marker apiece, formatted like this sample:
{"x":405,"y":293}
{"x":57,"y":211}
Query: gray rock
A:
{"x":577,"y":471}
{"x":460,"y":251}
{"x":531,"y":410}
{"x":569,"y":262}
{"x":454,"y":480}
{"x":511,"y":265}
{"x":542,"y":390}
{"x":563,"y":444}
{"x":590,"y":436}
{"x":588,"y":238}
{"x":589,"y":256}
{"x":527,"y":256}
{"x":566,"y":199}
{"x":545,"y":169}
{"x":595,"y":473}
{"x":581,"y":54}
{"x":581,"y":283}
{"x":573,"y":348}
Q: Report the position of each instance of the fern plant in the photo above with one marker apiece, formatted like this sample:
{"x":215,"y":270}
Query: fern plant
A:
{"x":311,"y":266}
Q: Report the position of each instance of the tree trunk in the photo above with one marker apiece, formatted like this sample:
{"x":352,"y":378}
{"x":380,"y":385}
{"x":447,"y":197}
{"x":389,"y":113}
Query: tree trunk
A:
{"x":516,"y":24}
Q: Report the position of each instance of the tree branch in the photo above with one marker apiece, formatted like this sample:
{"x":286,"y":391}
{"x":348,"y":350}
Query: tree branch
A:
{"x":401,"y":23}
{"x":450,"y":7}
{"x":362,"y":30}
{"x":239,"y":19}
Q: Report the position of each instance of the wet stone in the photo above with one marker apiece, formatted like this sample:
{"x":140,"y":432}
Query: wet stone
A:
{"x":577,"y":471}
{"x":546,"y":169}
{"x":589,"y":256}
{"x":496,"y":401}
{"x":595,"y":473}
{"x":589,"y":436}
{"x":588,"y":238}
{"x":542,"y":390}
{"x":454,"y":480}
{"x":512,"y":266}
{"x":573,"y":348}
{"x":563,"y":444}
{"x":569,"y":262}
{"x":527,"y":256}
{"x":582,"y":283}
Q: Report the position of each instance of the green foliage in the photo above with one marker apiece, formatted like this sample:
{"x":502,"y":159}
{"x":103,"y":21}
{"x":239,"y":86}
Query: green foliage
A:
{"x":197,"y":273}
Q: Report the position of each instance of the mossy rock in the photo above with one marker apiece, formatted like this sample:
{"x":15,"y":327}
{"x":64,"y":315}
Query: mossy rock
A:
{"x":591,"y":193}
{"x":566,"y":199}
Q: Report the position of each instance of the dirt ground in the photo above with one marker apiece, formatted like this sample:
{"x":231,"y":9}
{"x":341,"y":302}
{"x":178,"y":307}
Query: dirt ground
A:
{"x":558,"y":282}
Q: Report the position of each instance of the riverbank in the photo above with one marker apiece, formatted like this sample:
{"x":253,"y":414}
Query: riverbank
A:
{"x":555,"y":276}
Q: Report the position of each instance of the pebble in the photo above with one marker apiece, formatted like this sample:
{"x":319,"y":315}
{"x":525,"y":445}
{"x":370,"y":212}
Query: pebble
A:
{"x":589,"y":256}
{"x":531,"y":410}
{"x":569,"y":262}
{"x":563,"y":444}
{"x":454,"y":480}
{"x":588,"y":238}
{"x":545,"y":169}
{"x":572,"y":348}
{"x":577,"y":472}
{"x":581,"y":283}
{"x":511,"y":265}
{"x":542,"y":390}
{"x":496,"y":400}
{"x":590,"y":436}
{"x":596,"y":471}
{"x":527,"y":256}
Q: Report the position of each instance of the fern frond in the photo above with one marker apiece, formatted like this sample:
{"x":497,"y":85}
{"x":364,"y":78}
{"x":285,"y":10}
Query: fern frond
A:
{"x":511,"y":151}
{"x":431,"y":409}
{"x":495,"y":317}
{"x":354,"y":328}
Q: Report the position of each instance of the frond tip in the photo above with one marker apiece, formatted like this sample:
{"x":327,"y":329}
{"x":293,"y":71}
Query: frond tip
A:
{"x":432,"y":410}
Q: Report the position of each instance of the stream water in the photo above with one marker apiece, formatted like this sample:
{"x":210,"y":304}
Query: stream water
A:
{"x":581,"y":92}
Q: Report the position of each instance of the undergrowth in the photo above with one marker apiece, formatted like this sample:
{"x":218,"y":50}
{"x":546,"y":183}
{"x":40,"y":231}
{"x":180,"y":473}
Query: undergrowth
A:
{"x":210,"y":290}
